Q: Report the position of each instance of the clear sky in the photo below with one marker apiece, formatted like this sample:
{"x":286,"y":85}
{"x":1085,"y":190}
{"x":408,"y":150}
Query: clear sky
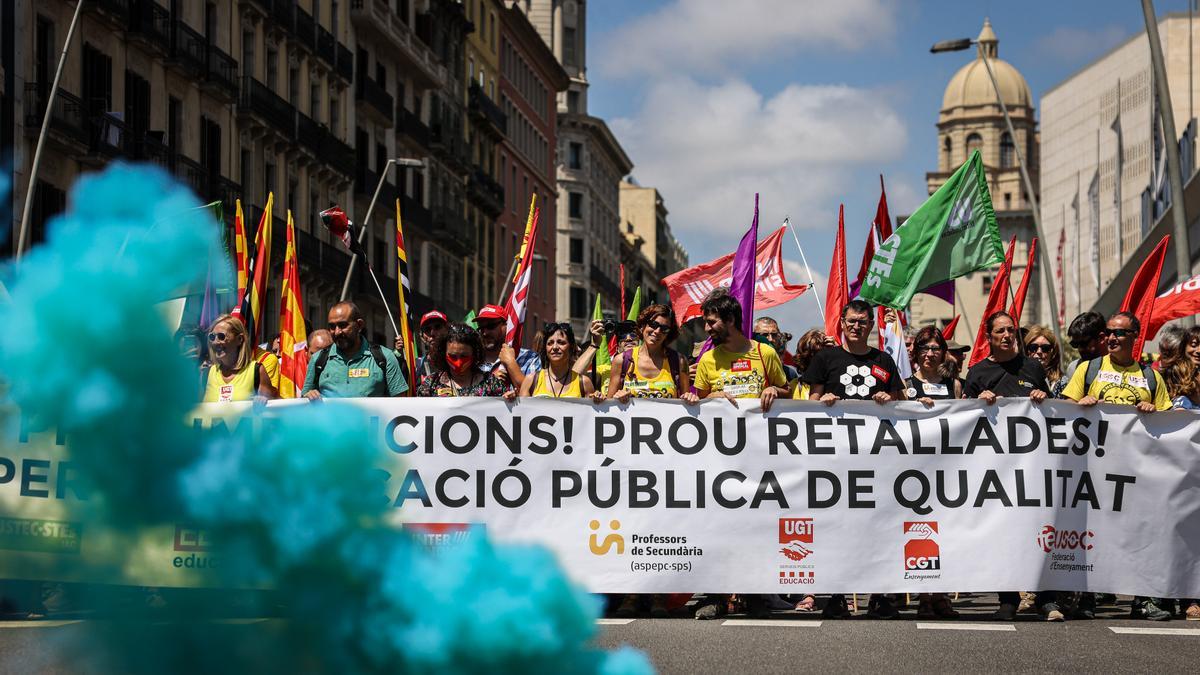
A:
{"x":807,"y":102}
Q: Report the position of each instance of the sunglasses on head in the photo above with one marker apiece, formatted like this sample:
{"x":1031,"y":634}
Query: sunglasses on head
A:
{"x":1035,"y":348}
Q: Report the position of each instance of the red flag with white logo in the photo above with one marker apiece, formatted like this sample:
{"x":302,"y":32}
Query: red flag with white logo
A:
{"x":1176,"y":302}
{"x":518,"y":299}
{"x":689,"y":287}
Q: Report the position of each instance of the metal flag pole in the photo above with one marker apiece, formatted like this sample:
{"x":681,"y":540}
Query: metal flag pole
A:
{"x":387,"y":310}
{"x":23,"y":236}
{"x":812,"y":281}
{"x":366,"y":222}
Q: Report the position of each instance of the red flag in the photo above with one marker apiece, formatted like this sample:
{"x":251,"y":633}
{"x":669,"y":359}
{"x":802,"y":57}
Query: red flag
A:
{"x":1177,"y":302}
{"x":837,"y":293}
{"x":1062,"y":280}
{"x":689,"y":287}
{"x":948,"y":331}
{"x":996,"y":298}
{"x":882,"y":225}
{"x":1139,"y":299}
{"x":293,"y":337}
{"x":1018,"y":302}
{"x":251,"y":305}
{"x":340,"y":226}
{"x":517,"y":301}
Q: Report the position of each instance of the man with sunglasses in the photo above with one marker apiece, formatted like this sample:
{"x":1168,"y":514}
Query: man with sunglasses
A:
{"x":352,"y":367}
{"x":1086,"y":336}
{"x":498,"y":357}
{"x":766,"y":331}
{"x":433,"y":325}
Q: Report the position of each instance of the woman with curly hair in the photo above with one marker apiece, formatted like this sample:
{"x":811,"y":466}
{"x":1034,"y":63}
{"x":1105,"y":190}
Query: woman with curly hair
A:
{"x":455,"y":360}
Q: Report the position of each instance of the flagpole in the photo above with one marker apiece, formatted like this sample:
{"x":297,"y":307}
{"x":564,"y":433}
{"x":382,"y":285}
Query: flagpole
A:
{"x":811,"y":279}
{"x":387,"y":310}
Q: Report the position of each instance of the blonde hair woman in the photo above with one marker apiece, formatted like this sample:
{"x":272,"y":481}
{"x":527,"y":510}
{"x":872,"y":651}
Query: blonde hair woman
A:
{"x":234,"y":374}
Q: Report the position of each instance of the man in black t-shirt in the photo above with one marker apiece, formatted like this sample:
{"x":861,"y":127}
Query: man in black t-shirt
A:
{"x":854,"y":370}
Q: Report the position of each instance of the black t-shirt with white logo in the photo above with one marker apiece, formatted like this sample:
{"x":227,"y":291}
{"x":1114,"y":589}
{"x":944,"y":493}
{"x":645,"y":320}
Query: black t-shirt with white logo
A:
{"x":1017,"y":376}
{"x":853,"y":376}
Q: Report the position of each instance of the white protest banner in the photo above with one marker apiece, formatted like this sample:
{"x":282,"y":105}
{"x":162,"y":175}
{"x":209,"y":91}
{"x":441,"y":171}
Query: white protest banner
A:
{"x":664,"y":498}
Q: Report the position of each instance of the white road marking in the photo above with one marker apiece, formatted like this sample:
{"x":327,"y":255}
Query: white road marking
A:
{"x":614,"y":622}
{"x":1122,"y":630}
{"x":780,"y":623}
{"x":35,"y":624}
{"x":967,"y":626}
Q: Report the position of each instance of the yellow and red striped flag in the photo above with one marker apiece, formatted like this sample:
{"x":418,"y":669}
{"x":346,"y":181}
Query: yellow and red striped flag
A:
{"x":293,"y":338}
{"x":405,"y":290}
{"x":241,"y":251}
{"x":250,"y":305}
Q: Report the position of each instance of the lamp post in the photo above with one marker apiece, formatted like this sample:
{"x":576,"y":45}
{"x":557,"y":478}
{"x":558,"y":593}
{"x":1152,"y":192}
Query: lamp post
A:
{"x":362,"y":229}
{"x":965,"y":43}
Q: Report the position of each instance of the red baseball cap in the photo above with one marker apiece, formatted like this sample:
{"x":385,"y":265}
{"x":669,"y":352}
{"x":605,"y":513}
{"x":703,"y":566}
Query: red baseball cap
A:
{"x":434,"y":315}
{"x":490,"y":312}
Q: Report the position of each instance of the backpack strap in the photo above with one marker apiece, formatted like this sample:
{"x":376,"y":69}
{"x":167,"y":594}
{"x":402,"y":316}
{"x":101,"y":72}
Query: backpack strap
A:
{"x":673,"y":361}
{"x":319,"y":366}
{"x":1093,"y":371}
{"x":1148,"y":372}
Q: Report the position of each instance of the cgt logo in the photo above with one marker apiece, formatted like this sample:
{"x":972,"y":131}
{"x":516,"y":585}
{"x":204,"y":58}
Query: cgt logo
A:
{"x":921,"y":551}
{"x":1051,"y":539}
{"x":795,"y":536}
{"x":611,"y":540}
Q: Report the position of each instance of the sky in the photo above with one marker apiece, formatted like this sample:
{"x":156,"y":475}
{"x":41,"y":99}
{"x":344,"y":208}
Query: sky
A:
{"x":808,"y":102}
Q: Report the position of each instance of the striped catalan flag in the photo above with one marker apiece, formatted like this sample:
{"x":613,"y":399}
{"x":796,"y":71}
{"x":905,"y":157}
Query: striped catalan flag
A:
{"x":405,"y":290}
{"x":250,"y":305}
{"x":293,"y":338}
{"x":241,"y":251}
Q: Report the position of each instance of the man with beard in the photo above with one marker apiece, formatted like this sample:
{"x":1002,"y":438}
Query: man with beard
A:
{"x":498,"y":357}
{"x":352,"y":367}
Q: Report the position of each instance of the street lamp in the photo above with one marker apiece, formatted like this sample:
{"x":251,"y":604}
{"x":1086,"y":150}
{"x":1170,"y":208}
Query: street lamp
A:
{"x":960,"y":45}
{"x":362,"y":226}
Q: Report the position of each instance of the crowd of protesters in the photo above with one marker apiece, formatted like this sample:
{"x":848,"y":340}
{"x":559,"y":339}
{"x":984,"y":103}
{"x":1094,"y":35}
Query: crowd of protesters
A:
{"x":464,"y":360}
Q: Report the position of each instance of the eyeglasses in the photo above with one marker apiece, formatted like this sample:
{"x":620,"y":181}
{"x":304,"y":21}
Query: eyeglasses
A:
{"x":1034,"y":348}
{"x":1119,"y":332}
{"x":659,"y":326}
{"x":857,"y":322}
{"x":928,"y":348}
{"x":213,"y":337}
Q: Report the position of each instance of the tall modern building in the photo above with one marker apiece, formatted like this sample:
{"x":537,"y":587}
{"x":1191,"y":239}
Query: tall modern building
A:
{"x":970,"y":119}
{"x":1103,"y":178}
{"x":305,"y":99}
{"x":590,"y":166}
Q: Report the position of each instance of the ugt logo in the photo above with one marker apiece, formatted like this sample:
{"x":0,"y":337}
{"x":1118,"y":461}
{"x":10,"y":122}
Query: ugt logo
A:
{"x":612,"y":539}
{"x":921,"y":551}
{"x":795,"y":537}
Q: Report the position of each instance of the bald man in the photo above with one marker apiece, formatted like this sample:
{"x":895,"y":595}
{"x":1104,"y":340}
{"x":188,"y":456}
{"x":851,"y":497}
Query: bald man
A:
{"x":352,"y":367}
{"x":319,"y":339}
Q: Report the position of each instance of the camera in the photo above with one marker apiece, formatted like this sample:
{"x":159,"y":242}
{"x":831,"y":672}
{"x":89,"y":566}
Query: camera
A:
{"x":614,"y":327}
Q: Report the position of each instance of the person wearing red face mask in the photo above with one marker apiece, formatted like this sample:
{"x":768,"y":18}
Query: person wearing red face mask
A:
{"x":455,"y":357}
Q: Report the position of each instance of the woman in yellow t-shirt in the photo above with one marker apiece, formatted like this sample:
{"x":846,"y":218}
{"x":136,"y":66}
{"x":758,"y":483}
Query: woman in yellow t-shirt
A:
{"x":806,"y":348}
{"x":234,"y":374}
{"x":650,"y":369}
{"x":556,"y":379}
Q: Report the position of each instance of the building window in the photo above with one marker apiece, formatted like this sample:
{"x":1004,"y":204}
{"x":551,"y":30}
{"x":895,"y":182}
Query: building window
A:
{"x":575,"y":155}
{"x":572,"y":101}
{"x":314,"y":96}
{"x":974,"y":142}
{"x":1007,"y":151}
{"x":579,"y":302}
{"x":947,"y":152}
{"x":987,"y":283}
{"x":272,"y":67}
{"x":248,"y":52}
{"x":576,"y":250}
{"x":575,"y":204}
{"x":570,"y":59}
{"x":1007,"y":201}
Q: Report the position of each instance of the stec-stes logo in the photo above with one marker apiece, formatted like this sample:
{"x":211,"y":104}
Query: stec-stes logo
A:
{"x":921,"y":551}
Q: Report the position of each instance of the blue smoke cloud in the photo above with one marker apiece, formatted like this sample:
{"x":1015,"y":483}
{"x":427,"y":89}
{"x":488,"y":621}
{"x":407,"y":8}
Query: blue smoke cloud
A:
{"x":305,"y":517}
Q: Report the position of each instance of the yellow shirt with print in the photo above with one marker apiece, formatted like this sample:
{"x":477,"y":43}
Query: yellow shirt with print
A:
{"x":270,"y":362}
{"x":742,"y":375}
{"x":1116,"y":384}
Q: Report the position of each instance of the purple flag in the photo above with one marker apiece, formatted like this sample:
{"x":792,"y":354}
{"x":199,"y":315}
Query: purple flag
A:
{"x":944,"y":290}
{"x":745,"y":266}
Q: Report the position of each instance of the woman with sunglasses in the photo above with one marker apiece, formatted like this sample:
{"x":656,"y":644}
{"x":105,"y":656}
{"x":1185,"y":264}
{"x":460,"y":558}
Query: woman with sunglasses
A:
{"x":930,"y":382}
{"x":234,"y":374}
{"x":1041,"y":346}
{"x":650,"y":369}
{"x":453,"y":359}
{"x":556,"y":379}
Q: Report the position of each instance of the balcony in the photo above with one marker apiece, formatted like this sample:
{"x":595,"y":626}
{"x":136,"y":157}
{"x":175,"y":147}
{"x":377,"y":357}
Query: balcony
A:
{"x":415,"y":56}
{"x":364,"y":181}
{"x":283,"y":14}
{"x":411,"y":125}
{"x":150,"y":24}
{"x":225,"y":191}
{"x":68,"y":119}
{"x":485,"y":109}
{"x":486,"y":191}
{"x":448,"y":143}
{"x":192,"y":174}
{"x":450,"y":228}
{"x":337,"y":155}
{"x":306,"y":29}
{"x":114,"y":11}
{"x":149,"y":147}
{"x":329,"y":260}
{"x":222,"y":73}
{"x":326,"y":46}
{"x":603,"y":283}
{"x":108,"y":137}
{"x":378,"y":103}
{"x":258,"y":99}
{"x":308,"y":132}
{"x":345,"y":63}
{"x":189,"y":50}
{"x":412,"y":212}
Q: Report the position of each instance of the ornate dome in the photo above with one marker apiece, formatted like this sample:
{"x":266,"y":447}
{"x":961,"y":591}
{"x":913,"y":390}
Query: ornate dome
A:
{"x":971,"y":85}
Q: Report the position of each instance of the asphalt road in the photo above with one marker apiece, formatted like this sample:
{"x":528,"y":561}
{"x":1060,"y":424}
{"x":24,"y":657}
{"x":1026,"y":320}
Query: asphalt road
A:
{"x":786,"y":643}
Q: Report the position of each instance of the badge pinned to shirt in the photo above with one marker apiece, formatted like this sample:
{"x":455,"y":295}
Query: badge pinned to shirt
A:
{"x":880,"y":373}
{"x":226,"y":393}
{"x":1138,"y":381}
{"x":1111,"y":377}
{"x":741,"y":366}
{"x":935,"y":389}
{"x":359,"y":372}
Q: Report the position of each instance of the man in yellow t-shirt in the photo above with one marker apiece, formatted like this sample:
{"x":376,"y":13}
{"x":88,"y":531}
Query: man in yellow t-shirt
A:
{"x":735,"y":367}
{"x":1118,"y":378}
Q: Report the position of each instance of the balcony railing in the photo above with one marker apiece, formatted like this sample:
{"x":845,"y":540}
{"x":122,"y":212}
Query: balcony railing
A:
{"x":282,"y":12}
{"x":189,"y":49}
{"x":150,"y":23}
{"x":376,"y":97}
{"x":414,"y":213}
{"x":326,"y":46}
{"x":338,"y":155}
{"x":114,"y":10}
{"x":306,"y":29}
{"x":345,"y":63}
{"x":148,"y":147}
{"x":308,"y":132}
{"x":451,"y":228}
{"x":192,"y":174}
{"x":486,"y":109}
{"x":222,"y":72}
{"x":364,"y":181}
{"x":67,"y":116}
{"x":412,"y":126}
{"x":108,"y":137}
{"x":486,"y":191}
{"x":258,"y":99}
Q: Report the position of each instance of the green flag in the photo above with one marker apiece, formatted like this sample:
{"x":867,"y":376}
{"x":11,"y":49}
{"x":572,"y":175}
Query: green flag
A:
{"x":602,"y":356}
{"x":470,"y":319}
{"x":952,"y":234}
{"x":636,"y":307}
